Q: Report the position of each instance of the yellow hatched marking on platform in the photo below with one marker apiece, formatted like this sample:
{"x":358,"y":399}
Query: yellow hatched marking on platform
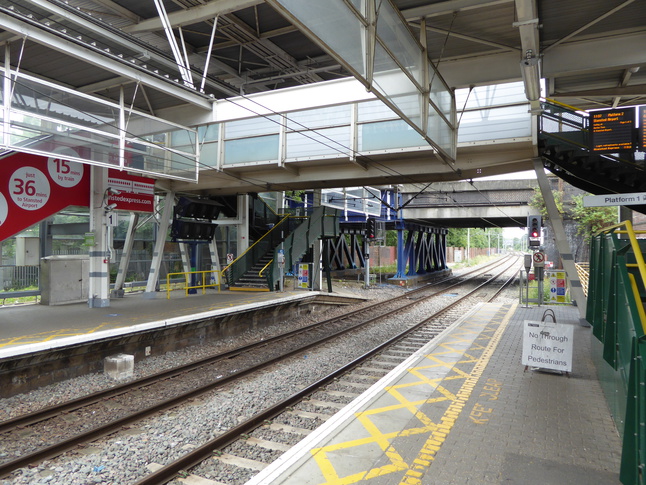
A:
{"x":438,"y":431}
{"x":435,"y":441}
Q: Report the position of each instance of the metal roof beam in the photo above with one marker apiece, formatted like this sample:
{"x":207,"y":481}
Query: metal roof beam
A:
{"x":470,"y":38}
{"x":122,"y":40}
{"x":451,"y":6}
{"x":193,"y":15}
{"x":118,"y":67}
{"x":568,"y":59}
{"x":118,"y":9}
{"x":589,"y":24}
{"x":637,"y":90}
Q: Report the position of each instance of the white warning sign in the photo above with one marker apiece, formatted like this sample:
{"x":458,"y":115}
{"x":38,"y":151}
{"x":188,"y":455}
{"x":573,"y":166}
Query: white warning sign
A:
{"x":548,"y":345}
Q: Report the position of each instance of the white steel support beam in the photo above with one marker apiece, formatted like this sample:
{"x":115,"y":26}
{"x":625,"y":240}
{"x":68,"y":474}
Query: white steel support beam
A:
{"x":194,"y":15}
{"x":125,"y":255}
{"x":182,"y":63}
{"x":99,"y":268}
{"x":527,"y":23}
{"x":102,"y":61}
{"x":447,"y":7}
{"x":158,"y":252}
{"x":561,"y":240}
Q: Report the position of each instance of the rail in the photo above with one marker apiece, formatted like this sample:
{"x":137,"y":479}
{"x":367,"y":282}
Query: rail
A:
{"x":615,"y":308}
{"x":188,"y":286}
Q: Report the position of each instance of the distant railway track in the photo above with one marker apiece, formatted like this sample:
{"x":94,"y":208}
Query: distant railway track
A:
{"x":70,"y":420}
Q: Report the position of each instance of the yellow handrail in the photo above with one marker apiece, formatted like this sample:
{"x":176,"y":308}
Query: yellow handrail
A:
{"x":187,"y":287}
{"x":639,"y":257}
{"x":265,"y":267}
{"x":250,"y":247}
{"x":573,"y":108}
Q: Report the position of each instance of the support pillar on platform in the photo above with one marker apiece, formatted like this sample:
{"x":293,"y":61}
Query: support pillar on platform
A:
{"x":158,"y":252}
{"x":99,"y":280}
{"x":125,"y":256}
{"x":316,"y":253}
{"x":561,"y":240}
{"x":243,"y":227}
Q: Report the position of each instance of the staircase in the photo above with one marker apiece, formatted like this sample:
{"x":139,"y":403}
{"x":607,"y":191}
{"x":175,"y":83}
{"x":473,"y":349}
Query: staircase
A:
{"x":564,"y":147}
{"x":251,"y":280}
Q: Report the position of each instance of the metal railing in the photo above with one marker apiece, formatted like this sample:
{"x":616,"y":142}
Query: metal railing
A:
{"x":214,"y":280}
{"x":615,"y":309}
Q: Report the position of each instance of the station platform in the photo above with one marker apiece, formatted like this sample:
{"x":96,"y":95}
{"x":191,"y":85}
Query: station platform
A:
{"x":34,"y":327}
{"x":464,"y":410}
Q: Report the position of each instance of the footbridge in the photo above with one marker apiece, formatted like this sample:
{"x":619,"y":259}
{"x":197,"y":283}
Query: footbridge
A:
{"x":327,"y":134}
{"x":485,"y":203}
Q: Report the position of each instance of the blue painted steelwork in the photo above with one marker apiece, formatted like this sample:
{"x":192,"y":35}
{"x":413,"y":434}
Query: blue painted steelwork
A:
{"x":420,"y":248}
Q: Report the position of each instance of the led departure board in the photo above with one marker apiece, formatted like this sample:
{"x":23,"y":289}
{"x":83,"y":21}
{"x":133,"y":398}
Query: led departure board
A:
{"x":611,"y":130}
{"x":642,"y":127}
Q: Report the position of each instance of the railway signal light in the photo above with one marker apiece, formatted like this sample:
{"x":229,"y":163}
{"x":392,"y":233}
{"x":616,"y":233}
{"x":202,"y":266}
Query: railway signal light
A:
{"x":371,"y":228}
{"x":534,"y":225}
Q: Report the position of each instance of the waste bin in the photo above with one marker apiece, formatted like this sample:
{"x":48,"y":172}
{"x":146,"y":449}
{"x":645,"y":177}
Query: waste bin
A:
{"x":64,"y":279}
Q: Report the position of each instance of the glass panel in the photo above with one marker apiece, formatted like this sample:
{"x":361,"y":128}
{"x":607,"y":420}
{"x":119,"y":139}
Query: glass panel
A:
{"x":140,"y":125}
{"x":209,"y":132}
{"x":375,"y":111}
{"x":399,"y":40}
{"x":319,"y":118}
{"x":260,"y":125}
{"x":333,"y":198}
{"x":335,"y":24}
{"x":388,"y":134}
{"x":209,"y":155}
{"x":325,"y":142}
{"x":372,"y":199}
{"x":493,"y":124}
{"x":183,"y":138}
{"x":44,"y":100}
{"x":397,"y":87}
{"x":487,"y":96}
{"x":441,"y":133}
{"x":258,"y":149}
{"x":89,"y":145}
{"x":441,"y":97}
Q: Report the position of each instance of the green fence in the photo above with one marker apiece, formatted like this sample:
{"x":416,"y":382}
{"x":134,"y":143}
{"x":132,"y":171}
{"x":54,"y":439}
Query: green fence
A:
{"x":616,"y":311}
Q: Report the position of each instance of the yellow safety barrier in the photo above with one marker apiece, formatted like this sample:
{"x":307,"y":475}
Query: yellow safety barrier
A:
{"x":583,"y":270}
{"x":187,"y":277}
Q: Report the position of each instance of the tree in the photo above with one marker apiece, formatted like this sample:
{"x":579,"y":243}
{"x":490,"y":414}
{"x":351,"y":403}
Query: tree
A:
{"x":592,"y":219}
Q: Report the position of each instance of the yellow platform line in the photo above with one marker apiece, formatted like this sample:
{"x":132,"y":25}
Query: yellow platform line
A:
{"x":384,"y":440}
{"x":434,"y":443}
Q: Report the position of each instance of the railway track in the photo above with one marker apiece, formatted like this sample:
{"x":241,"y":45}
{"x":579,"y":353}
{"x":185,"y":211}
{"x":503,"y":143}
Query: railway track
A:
{"x":209,"y":374}
{"x":231,"y":448}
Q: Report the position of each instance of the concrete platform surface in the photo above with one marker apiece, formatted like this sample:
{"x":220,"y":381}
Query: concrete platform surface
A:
{"x":463,"y":410}
{"x":32,"y":327}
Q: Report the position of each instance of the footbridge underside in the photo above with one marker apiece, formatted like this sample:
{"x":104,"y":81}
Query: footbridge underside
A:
{"x":257,"y":143}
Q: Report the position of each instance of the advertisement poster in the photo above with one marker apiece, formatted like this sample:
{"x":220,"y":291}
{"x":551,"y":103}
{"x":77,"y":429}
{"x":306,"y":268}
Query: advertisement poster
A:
{"x":33,"y":187}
